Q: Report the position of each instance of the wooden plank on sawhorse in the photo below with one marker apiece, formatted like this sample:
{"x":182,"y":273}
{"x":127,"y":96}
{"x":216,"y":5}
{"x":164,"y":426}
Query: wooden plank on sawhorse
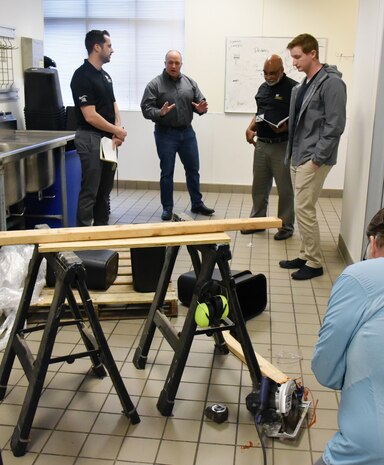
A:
{"x":139,"y":242}
{"x":92,"y":233}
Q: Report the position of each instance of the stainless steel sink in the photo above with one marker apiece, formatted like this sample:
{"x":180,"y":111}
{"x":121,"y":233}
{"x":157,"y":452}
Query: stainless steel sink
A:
{"x":27,"y":164}
{"x":14,"y":182}
{"x":11,"y":146}
{"x":39,"y":171}
{"x":33,"y":173}
{"x":14,"y":176}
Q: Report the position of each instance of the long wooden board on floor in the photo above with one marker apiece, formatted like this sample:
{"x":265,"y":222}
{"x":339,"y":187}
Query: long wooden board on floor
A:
{"x":125,"y":231}
{"x":267,"y":369}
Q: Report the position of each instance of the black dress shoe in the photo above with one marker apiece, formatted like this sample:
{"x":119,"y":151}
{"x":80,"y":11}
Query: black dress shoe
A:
{"x":203,"y":210}
{"x":291,"y":264}
{"x":167,"y":214}
{"x":251,"y":231}
{"x":282,"y":234}
{"x":306,"y":272}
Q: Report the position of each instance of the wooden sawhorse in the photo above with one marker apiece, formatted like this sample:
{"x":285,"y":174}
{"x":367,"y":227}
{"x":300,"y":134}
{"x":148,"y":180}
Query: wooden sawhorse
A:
{"x":199,"y":236}
{"x":69,"y":272}
{"x":211,"y":255}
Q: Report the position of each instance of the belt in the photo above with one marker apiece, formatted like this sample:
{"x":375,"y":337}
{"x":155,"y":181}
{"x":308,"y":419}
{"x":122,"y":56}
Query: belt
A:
{"x":180,"y":128}
{"x":275,"y":140}
{"x":177,"y":128}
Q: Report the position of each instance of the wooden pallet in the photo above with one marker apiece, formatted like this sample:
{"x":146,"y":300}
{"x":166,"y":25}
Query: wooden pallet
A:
{"x":120,"y":300}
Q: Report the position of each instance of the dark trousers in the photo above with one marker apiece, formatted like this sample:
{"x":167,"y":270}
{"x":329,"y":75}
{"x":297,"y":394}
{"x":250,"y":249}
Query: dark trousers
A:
{"x":170,"y":141}
{"x":96,"y":180}
{"x":268,"y":163}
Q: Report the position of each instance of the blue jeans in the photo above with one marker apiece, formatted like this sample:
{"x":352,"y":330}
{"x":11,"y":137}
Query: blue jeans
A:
{"x":170,"y":141}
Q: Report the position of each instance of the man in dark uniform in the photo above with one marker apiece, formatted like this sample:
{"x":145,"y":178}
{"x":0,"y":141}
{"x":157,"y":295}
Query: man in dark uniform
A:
{"x":272,"y":100}
{"x":97,"y":116}
{"x":170,"y":100}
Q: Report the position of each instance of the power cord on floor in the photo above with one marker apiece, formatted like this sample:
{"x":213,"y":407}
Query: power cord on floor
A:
{"x":261,"y":438}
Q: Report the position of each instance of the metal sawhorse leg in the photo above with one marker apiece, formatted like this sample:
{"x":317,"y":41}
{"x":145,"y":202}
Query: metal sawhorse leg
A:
{"x":69,"y":272}
{"x":181,"y":342}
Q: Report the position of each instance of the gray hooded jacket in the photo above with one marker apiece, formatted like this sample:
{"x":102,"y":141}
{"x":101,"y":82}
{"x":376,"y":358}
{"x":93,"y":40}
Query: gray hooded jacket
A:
{"x":321,"y":120}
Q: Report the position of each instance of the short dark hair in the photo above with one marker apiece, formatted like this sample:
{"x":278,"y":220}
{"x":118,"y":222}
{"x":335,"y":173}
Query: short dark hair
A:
{"x":376,"y":228}
{"x":306,"y":42}
{"x":95,"y":37}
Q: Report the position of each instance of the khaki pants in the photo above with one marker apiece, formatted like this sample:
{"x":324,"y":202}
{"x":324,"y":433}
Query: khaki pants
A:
{"x":307,"y":185}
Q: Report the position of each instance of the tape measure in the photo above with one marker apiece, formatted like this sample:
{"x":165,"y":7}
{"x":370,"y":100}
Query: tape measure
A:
{"x":217,"y":412}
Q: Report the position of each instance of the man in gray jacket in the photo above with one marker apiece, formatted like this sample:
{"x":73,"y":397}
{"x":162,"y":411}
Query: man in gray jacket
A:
{"x":170,"y":100}
{"x":316,"y":123}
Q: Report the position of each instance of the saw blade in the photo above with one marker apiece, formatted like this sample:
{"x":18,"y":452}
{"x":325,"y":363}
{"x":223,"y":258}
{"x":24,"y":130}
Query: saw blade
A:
{"x":292,"y":418}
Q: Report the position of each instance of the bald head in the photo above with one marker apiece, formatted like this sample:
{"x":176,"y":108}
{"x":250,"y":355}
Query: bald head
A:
{"x":273,"y":70}
{"x":173,"y":54}
{"x":274,"y":60}
{"x":173,"y":63}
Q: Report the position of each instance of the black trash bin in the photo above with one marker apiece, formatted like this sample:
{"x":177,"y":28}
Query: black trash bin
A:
{"x":147,"y":264}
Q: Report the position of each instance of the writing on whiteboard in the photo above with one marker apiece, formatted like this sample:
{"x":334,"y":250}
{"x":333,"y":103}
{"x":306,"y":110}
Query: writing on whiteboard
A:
{"x":245,"y":57}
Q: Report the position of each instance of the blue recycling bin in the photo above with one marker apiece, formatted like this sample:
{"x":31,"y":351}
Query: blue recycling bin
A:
{"x":44,"y":210}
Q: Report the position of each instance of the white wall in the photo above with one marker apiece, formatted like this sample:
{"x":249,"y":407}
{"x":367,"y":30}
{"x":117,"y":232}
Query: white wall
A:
{"x":225,"y":156}
{"x":365,"y":107}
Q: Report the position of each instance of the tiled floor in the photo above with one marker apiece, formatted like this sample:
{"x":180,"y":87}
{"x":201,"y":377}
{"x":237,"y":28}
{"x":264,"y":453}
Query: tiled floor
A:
{"x":79,"y":420}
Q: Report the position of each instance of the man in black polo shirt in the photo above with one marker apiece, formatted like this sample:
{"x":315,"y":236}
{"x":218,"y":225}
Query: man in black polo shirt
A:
{"x":272,"y":100}
{"x":97,"y":116}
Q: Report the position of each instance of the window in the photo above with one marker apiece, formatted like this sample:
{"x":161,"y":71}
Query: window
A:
{"x":142,"y":31}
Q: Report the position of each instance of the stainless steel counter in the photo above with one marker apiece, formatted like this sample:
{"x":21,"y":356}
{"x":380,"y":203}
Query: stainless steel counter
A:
{"x":18,"y":145}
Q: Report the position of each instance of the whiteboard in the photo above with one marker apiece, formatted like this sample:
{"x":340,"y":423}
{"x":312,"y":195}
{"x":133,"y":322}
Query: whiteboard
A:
{"x":245,"y":57}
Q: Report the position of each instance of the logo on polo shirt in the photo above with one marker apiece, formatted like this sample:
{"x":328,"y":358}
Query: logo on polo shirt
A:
{"x":83,"y":98}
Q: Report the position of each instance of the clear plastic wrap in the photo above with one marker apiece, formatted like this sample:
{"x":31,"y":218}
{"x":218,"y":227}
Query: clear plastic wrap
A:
{"x":14,"y":263}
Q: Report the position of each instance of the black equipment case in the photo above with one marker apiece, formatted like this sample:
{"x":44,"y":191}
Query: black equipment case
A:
{"x":251,"y":290}
{"x":101,"y":267}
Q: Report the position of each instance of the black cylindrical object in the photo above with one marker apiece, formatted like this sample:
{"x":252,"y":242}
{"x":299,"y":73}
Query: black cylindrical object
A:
{"x":42,"y":90}
{"x":147,"y":264}
{"x":44,"y":108}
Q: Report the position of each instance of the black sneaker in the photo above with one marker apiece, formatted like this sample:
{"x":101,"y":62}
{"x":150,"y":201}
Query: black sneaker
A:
{"x":282,"y":235}
{"x":292,"y":264}
{"x":203,"y":210}
{"x":167,"y":214}
{"x":306,"y":272}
